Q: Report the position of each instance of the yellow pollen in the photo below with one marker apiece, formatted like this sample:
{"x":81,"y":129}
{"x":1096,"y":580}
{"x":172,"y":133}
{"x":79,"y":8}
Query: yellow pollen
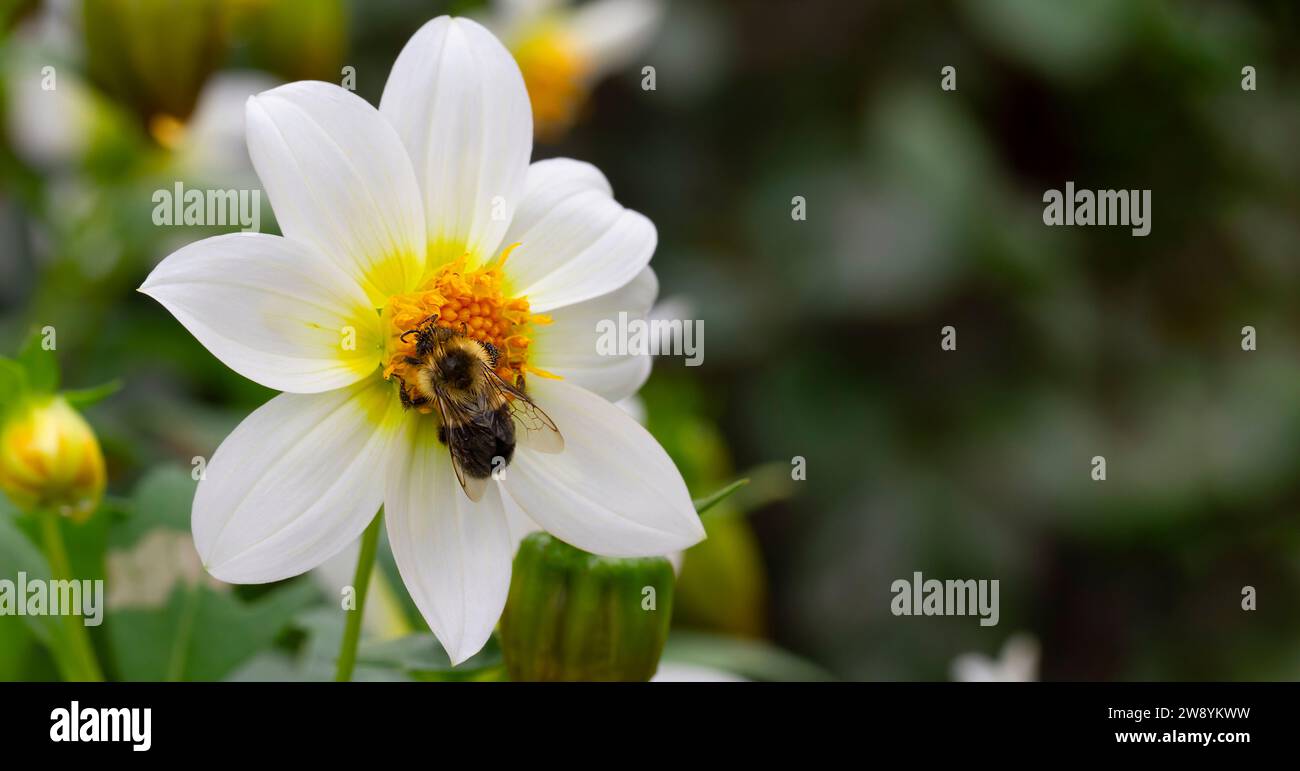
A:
{"x":471,"y":302}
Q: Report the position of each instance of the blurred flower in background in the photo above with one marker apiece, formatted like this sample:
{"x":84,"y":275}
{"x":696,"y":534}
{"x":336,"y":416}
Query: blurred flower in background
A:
{"x":1017,"y":663}
{"x":565,"y":48}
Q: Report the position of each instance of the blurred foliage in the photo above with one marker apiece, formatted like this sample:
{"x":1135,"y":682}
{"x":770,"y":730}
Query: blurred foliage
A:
{"x":924,"y":210}
{"x":154,"y":57}
{"x":298,"y":39}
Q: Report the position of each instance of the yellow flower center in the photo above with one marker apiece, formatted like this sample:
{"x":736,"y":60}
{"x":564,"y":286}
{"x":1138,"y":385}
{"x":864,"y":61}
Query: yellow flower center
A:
{"x":472,"y":302}
{"x":556,"y":77}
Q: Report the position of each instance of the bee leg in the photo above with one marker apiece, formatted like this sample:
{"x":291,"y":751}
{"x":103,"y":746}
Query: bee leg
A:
{"x":406,"y":397}
{"x":407,"y":401}
{"x":421,"y":330}
{"x":414,"y":362}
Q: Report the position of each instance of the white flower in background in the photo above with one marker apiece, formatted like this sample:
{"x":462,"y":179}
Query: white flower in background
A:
{"x":391,"y":216}
{"x":1018,"y":663}
{"x":48,"y":128}
{"x":210,"y":146}
{"x":564,"y":49}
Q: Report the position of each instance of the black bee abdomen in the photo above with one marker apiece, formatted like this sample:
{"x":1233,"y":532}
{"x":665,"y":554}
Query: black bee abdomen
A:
{"x":503,"y":429}
{"x":478,"y":445}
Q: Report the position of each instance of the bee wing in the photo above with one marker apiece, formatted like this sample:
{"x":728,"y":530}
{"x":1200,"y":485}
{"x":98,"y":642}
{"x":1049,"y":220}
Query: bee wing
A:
{"x":453,"y":415}
{"x":474,"y":487}
{"x":536,"y":430}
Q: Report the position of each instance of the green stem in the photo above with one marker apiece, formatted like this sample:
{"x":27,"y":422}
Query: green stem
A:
{"x":360,"y":583}
{"x":181,"y":645}
{"x":83,"y":665}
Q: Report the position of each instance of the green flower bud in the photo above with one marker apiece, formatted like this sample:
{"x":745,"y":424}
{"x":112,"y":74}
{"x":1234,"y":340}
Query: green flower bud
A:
{"x":574,"y":616}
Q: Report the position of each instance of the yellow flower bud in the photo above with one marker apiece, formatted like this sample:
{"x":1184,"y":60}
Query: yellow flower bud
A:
{"x":50,"y":459}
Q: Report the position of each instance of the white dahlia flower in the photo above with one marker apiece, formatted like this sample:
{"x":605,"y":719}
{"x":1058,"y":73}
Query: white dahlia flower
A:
{"x":390,"y":217}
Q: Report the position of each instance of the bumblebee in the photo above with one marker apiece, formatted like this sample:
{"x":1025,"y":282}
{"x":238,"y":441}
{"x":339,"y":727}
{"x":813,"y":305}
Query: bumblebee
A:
{"x":481,"y":417}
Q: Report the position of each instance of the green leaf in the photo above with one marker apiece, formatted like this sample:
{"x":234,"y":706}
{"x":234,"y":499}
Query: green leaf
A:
{"x":42,"y":366}
{"x":202,"y":633}
{"x":163,"y":498}
{"x":709,"y":501}
{"x":19,"y":554}
{"x":85,"y":397}
{"x":421,"y":656}
{"x":753,"y":659}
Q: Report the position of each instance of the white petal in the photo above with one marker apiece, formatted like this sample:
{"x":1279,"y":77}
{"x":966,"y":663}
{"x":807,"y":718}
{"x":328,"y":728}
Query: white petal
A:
{"x":295,"y":483}
{"x":454,"y":555}
{"x":634,"y":406}
{"x":520,"y":524}
{"x":582,"y":342}
{"x":575,"y":241}
{"x":612,"y":33}
{"x":458,"y":101}
{"x":612,"y":491}
{"x":340,"y":180}
{"x":271,"y":309}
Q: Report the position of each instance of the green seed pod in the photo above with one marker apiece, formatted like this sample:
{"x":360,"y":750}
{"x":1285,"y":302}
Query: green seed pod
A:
{"x":573,"y":616}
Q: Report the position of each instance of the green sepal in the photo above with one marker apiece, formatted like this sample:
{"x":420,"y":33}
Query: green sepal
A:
{"x":709,"y":501}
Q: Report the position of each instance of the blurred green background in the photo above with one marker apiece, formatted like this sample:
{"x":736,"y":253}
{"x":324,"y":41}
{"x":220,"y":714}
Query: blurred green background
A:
{"x":924,"y":209}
